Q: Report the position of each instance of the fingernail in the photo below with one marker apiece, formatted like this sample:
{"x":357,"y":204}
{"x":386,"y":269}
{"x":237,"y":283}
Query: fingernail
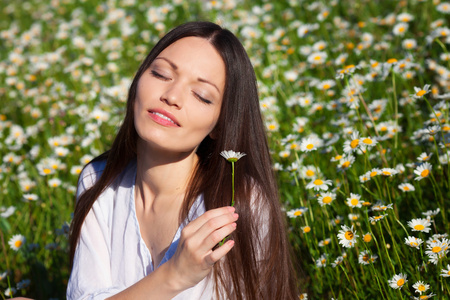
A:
{"x":234,"y":225}
{"x":231,"y":208}
{"x":235,"y":216}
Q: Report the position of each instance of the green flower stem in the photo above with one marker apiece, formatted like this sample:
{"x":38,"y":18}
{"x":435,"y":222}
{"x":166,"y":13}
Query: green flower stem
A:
{"x":232,"y":183}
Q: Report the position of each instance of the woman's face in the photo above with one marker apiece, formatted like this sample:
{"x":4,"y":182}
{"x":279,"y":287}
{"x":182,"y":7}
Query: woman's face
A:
{"x":179,"y":96}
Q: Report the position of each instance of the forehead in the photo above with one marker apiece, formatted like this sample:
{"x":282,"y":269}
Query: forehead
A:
{"x":196,"y":56}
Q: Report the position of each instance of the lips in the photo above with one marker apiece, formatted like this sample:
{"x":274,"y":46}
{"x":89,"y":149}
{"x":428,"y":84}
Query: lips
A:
{"x":163,"y":117}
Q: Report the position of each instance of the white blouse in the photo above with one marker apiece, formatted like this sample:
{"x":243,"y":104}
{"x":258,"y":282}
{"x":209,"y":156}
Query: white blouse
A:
{"x":111,"y":254}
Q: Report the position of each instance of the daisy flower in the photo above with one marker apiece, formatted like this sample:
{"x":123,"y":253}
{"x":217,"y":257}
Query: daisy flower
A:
{"x":400,"y":29}
{"x":375,"y":219}
{"x":397,"y":281}
{"x":431,"y":213}
{"x":319,"y":184}
{"x":365,"y":258}
{"x":364,"y":177}
{"x":293,"y":213}
{"x":413,"y":242}
{"x":367,"y":237}
{"x":353,"y":217}
{"x":422,"y":225}
{"x":424,"y":156}
{"x":354,"y":201}
{"x":10,"y":292}
{"x":423,"y":171}
{"x":309,"y":172}
{"x":420,"y":287}
{"x":324,"y":242}
{"x":337,"y":261}
{"x":16,"y":242}
{"x":443,"y":7}
{"x":347,"y":236}
{"x":308,"y":145}
{"x":317,"y":58}
{"x":380,"y":207}
{"x":446,"y":272}
{"x":232,"y":156}
{"x":306,"y":229}
{"x":368,"y":141}
{"x":326,"y":198}
{"x":406,"y":187}
{"x":420,"y":92}
{"x":388,"y":172}
{"x":322,"y":261}
{"x":352,"y":144}
{"x":30,"y":197}
{"x":346,"y":161}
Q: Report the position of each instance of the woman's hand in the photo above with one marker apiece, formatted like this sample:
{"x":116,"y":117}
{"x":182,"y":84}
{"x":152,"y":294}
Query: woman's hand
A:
{"x":195,"y":256}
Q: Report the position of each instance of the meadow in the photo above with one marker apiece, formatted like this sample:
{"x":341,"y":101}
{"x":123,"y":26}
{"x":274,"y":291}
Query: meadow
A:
{"x":355,"y":96}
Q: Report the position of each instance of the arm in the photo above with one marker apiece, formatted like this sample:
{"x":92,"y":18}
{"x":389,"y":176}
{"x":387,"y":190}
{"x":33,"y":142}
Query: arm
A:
{"x":193,"y":259}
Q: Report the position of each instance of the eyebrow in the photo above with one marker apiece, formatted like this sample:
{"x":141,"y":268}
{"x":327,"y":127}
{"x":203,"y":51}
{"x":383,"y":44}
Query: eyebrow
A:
{"x":175,"y":67}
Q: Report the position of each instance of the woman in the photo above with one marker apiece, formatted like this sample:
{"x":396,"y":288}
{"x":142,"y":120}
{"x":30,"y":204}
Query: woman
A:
{"x":153,"y":210}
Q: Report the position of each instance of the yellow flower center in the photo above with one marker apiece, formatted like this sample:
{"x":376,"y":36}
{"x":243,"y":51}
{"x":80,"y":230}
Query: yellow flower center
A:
{"x":421,"y":288}
{"x":47,"y":171}
{"x":354,"y":201}
{"x":298,"y":213}
{"x":421,"y":93}
{"x":424,"y":173}
{"x":436,"y":249}
{"x":18,"y":243}
{"x":348,"y":235}
{"x":327,"y":199}
{"x":310,"y":173}
{"x":414,"y":244}
{"x":391,"y":61}
{"x":387,"y":173}
{"x":367,"y":238}
{"x":400,"y":282}
{"x":419,"y":227}
{"x":307,"y":229}
{"x":365,"y":257}
{"x":346,"y":164}
{"x":373,"y":173}
{"x":317,"y":57}
{"x":354,"y":143}
{"x":309,"y":146}
{"x":337,"y":157}
{"x":318,"y":182}
{"x":367,"y":141}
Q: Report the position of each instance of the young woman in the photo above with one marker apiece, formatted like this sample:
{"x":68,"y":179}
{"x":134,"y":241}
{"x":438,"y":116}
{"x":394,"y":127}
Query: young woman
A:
{"x":152,"y":211}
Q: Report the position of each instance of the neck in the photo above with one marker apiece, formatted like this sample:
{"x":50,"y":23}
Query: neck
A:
{"x":162,"y":175}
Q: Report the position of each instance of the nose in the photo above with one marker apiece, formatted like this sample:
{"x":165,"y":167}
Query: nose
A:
{"x":172,"y":95}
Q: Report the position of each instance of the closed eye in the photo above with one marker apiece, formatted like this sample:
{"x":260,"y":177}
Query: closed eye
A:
{"x":206,"y":101}
{"x":159,"y":76}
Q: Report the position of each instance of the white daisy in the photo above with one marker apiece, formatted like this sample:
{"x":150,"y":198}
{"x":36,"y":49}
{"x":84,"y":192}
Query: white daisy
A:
{"x":406,"y":187}
{"x":423,"y":171}
{"x":231,"y":155}
{"x":397,"y":281}
{"x":326,"y":198}
{"x":422,"y":225}
{"x":354,"y":200}
{"x":413,"y":242}
{"x":16,"y":242}
{"x":319,"y":184}
{"x":347,"y":236}
{"x":420,"y":287}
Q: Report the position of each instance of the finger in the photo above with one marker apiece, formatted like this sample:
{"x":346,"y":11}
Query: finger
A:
{"x":220,"y":252}
{"x":217,"y":236}
{"x":204,"y":218}
{"x":212,"y":225}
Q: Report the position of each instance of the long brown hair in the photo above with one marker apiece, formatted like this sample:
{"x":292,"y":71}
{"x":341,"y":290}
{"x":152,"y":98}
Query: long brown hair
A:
{"x":258,"y":267}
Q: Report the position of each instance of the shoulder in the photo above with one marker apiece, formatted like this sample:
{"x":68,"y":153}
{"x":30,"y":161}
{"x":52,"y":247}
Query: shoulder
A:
{"x":90,"y":174}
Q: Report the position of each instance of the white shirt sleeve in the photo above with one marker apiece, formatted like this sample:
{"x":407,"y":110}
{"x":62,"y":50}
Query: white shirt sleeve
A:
{"x":91,"y":273}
